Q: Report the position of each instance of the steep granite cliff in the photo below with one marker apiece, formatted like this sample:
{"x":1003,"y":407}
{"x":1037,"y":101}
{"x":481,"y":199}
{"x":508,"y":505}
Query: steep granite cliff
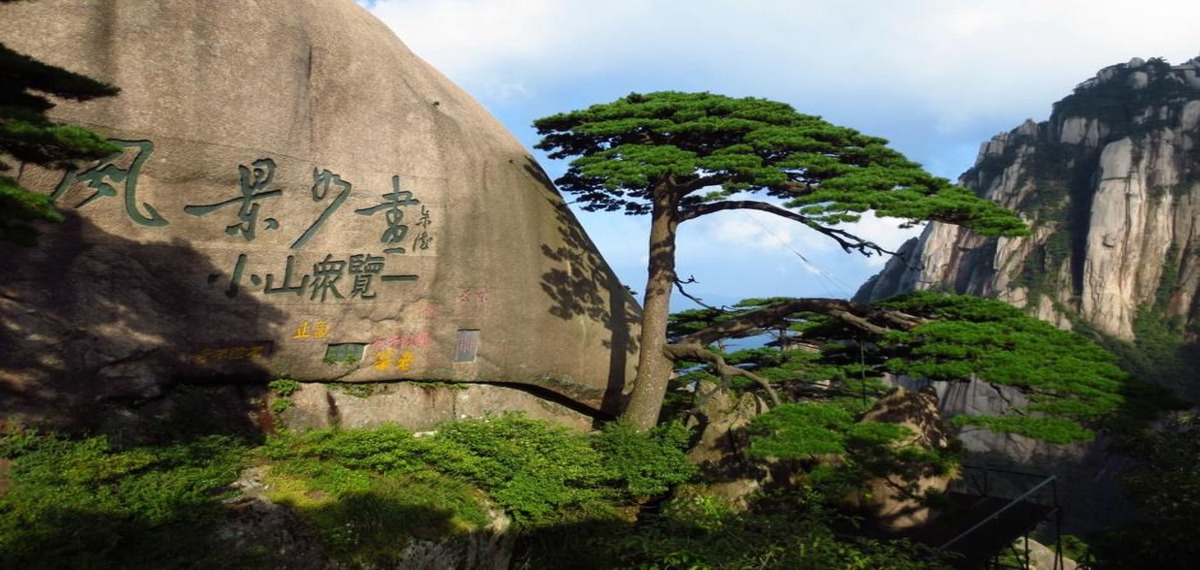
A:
{"x":1110,"y":185}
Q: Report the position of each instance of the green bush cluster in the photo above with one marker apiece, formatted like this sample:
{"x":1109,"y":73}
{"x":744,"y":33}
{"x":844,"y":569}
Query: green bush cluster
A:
{"x":786,"y":529}
{"x":839,"y":454}
{"x":284,"y":387}
{"x":1165,"y":488}
{"x":361,"y":492}
{"x":538,"y":473}
{"x":806,"y":430}
{"x":86,"y":503}
{"x":361,"y":489}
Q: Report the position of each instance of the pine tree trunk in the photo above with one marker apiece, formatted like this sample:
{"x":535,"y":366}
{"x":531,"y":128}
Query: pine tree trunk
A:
{"x":654,"y":367}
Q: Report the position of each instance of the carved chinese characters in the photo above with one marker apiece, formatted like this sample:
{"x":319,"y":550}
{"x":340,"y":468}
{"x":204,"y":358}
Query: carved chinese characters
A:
{"x":254,"y":208}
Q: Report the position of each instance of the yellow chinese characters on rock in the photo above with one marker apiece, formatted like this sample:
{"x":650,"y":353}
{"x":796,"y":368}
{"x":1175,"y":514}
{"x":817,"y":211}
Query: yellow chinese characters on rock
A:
{"x":312,"y":329}
{"x":389,"y":358}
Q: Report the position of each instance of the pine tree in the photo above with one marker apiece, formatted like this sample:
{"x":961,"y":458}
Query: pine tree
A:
{"x":27,"y":135}
{"x":679,"y":156}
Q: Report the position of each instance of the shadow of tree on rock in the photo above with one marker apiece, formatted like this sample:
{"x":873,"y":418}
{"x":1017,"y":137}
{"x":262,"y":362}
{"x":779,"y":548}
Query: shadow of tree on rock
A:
{"x":98,"y":329}
{"x":583,"y":285}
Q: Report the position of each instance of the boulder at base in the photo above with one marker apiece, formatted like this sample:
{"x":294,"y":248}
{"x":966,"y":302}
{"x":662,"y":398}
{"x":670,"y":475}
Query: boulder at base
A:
{"x":297,"y":196}
{"x":897,"y":501}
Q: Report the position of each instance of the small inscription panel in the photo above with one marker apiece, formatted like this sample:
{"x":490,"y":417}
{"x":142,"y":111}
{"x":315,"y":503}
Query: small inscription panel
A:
{"x":232,"y":353}
{"x":467,"y":347}
{"x":346,"y":352}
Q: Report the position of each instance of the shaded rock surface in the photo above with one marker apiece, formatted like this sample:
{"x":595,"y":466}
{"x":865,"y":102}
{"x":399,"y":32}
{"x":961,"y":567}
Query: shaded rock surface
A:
{"x":895,"y":502}
{"x":1089,"y":473}
{"x":721,"y":449}
{"x":978,"y":398}
{"x":1043,"y":556}
{"x":298,"y":195}
{"x":417,"y":407}
{"x":259,"y":524}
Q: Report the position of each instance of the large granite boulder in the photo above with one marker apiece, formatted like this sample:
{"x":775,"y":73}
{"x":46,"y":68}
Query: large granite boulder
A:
{"x":897,"y":501}
{"x":298,"y":196}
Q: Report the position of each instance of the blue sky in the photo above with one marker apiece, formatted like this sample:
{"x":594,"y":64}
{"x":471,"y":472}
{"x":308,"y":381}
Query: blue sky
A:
{"x":935,"y":77}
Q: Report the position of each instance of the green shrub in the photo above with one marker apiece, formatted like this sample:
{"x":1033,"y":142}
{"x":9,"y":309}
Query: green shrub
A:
{"x":1165,"y":488}
{"x":786,"y":530}
{"x":284,"y":386}
{"x":538,"y":473}
{"x":281,"y":405}
{"x":810,"y":429}
{"x":97,"y":505}
{"x":648,"y":463}
{"x":367,"y":519}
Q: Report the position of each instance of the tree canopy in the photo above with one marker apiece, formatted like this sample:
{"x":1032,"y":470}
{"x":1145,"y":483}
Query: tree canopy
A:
{"x":29,"y":136}
{"x":679,"y":156}
{"x":1165,"y":488}
{"x":707,"y":149}
{"x":1070,"y":383}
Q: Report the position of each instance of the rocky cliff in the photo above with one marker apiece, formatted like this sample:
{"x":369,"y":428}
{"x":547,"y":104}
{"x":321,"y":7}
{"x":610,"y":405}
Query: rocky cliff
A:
{"x":1110,"y":186}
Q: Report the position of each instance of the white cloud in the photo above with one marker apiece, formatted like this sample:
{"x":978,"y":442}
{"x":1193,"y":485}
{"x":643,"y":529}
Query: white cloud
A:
{"x":959,"y":58}
{"x":936,"y":77}
{"x":469,"y":36}
{"x":930,"y":75}
{"x":754,"y":231}
{"x":884,"y":232}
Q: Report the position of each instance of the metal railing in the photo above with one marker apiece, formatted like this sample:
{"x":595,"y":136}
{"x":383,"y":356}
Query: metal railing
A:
{"x":980,"y":477}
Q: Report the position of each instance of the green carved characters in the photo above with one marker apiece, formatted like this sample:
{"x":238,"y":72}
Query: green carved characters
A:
{"x":329,"y":278}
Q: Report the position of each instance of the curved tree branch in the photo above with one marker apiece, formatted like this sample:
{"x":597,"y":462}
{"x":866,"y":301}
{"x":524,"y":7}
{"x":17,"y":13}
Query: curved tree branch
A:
{"x":873,"y":320}
{"x":848,"y":241}
{"x":703,"y":182}
{"x":697,"y":352}
{"x":679,"y":283}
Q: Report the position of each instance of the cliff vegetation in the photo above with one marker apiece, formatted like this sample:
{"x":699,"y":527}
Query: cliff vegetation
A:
{"x":1110,"y":184}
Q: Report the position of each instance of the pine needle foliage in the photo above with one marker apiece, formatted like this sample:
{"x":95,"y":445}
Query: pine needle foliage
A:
{"x":89,"y":503}
{"x":538,"y":473}
{"x":1065,"y":383}
{"x":710,"y":147}
{"x":679,"y":156}
{"x":28,"y":135}
{"x":1071,"y":381}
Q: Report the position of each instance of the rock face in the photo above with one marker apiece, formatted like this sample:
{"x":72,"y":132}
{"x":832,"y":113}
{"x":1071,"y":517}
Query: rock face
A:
{"x":298,"y":196}
{"x":1089,"y":473}
{"x":721,"y":449}
{"x":414,"y":406}
{"x":1043,"y":557}
{"x":1111,"y":187}
{"x":895,"y":502}
{"x":977,"y":398}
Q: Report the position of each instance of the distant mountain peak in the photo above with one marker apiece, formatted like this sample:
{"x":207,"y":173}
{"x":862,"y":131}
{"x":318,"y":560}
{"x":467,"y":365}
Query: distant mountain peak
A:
{"x":1110,"y":185}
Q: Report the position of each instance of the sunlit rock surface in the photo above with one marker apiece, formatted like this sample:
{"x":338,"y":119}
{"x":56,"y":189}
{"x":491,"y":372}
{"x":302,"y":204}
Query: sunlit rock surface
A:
{"x":300,"y":196}
{"x":1111,"y":186}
